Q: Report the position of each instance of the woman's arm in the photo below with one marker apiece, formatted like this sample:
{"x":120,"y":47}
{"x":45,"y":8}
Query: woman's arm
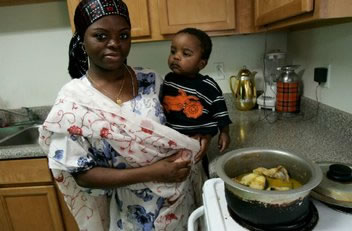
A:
{"x":166,"y":170}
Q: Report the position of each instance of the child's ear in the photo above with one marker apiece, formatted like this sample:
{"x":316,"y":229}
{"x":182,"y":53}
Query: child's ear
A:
{"x":202,"y":64}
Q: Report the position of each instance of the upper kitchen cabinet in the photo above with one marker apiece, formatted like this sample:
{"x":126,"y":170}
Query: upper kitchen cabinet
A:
{"x":221,"y":17}
{"x":154,"y":20}
{"x":275,"y":14}
{"x":208,"y":15}
{"x":21,"y":2}
{"x":139,"y":15}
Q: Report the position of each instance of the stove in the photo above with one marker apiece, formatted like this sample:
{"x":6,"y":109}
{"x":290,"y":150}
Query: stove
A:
{"x":214,"y":214}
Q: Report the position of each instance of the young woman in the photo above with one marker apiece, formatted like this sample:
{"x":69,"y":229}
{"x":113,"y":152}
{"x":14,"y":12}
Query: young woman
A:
{"x":118,"y":167}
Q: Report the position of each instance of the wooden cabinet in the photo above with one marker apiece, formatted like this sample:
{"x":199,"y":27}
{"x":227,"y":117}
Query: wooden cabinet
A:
{"x":274,"y":14}
{"x":208,"y":15}
{"x":29,"y":199}
{"x":154,"y":20}
{"x":268,"y":11}
{"x":30,"y":208}
{"x":20,"y":2}
{"x":139,"y":15}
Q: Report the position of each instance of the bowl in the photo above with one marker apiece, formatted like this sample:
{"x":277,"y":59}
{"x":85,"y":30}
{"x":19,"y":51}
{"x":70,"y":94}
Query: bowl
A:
{"x":267,"y":207}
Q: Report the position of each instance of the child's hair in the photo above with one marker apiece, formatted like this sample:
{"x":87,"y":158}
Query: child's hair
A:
{"x":204,"y":39}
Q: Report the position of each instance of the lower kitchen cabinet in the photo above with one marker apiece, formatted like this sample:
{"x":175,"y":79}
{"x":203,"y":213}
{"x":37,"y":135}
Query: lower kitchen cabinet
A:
{"x":30,"y":208}
{"x":29,"y":199}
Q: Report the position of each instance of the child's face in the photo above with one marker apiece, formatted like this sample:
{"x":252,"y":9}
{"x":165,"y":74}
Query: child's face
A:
{"x":186,"y":55}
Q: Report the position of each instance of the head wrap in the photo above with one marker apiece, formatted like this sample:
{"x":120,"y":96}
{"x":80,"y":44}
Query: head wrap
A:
{"x":87,"y":12}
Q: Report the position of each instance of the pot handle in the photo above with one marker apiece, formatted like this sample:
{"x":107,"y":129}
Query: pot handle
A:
{"x":192,"y":220}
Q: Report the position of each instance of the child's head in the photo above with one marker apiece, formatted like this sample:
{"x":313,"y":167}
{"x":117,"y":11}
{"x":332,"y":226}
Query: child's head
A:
{"x":190,"y":51}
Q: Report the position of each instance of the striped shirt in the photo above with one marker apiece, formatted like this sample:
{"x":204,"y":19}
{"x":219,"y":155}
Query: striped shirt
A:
{"x":194,"y":105}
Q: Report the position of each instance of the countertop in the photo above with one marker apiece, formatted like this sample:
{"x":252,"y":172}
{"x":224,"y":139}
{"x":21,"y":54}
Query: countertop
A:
{"x":320,"y":135}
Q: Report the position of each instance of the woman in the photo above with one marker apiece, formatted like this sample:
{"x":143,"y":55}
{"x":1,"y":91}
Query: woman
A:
{"x":117,"y":166}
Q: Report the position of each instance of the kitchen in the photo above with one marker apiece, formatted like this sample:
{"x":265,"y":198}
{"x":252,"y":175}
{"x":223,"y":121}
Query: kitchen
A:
{"x":44,"y":30}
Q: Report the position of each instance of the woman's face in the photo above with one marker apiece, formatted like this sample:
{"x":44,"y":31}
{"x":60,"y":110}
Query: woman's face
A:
{"x":107,"y":42}
{"x":186,"y":55}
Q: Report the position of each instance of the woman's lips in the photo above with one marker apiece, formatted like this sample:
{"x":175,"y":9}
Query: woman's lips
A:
{"x":112,"y":56}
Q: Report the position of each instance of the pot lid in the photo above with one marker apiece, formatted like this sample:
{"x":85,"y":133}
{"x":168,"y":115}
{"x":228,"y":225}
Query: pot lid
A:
{"x":336,"y":186}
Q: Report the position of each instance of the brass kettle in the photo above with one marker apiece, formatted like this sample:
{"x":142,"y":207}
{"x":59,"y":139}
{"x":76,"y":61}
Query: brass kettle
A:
{"x":243,"y":89}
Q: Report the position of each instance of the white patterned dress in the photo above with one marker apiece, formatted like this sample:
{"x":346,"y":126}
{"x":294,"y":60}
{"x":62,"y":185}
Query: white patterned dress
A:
{"x":135,"y":207}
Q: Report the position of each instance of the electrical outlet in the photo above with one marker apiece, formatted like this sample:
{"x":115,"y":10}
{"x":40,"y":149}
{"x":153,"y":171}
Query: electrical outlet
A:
{"x":219,"y":68}
{"x":328,"y":79}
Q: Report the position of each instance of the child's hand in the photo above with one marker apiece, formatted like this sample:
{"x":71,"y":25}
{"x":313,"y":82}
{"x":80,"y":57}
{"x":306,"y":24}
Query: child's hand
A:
{"x":224,"y":141}
{"x":204,"y":141}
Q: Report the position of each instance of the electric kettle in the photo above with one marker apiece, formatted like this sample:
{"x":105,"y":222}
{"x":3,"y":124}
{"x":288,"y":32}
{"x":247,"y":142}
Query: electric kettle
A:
{"x":243,"y":89}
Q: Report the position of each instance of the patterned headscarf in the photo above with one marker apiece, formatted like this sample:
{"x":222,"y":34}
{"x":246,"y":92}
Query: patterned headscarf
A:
{"x":87,"y":12}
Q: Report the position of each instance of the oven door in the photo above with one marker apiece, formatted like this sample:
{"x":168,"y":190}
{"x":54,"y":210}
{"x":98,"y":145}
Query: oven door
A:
{"x":213,"y":215}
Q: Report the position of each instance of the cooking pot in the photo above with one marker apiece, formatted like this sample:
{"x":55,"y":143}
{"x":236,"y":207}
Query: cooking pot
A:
{"x":267,"y":207}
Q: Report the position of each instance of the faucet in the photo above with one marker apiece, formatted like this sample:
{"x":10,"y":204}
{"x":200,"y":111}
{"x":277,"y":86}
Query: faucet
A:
{"x":32,"y":117}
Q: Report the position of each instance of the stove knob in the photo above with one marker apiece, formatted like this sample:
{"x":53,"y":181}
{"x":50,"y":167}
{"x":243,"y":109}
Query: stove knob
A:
{"x":339,"y":172}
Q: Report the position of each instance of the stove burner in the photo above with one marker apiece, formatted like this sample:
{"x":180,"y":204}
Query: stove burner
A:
{"x":306,"y":223}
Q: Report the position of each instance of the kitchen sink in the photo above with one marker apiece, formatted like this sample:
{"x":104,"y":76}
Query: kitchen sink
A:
{"x":22,"y":136}
{"x":7,"y":131}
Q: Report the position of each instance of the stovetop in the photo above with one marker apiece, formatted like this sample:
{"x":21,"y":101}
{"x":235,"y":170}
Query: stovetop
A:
{"x":218,"y":218}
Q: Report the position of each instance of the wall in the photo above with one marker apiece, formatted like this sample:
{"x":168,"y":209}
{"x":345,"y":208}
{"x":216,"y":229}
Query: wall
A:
{"x":321,"y":47}
{"x":34,"y":45}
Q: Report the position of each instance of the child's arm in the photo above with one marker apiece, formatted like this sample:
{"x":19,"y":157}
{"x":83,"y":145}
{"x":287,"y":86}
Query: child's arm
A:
{"x":224,"y":138}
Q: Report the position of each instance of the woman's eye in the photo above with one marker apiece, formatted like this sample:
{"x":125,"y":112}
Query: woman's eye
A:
{"x":124,"y":36}
{"x":100,"y":36}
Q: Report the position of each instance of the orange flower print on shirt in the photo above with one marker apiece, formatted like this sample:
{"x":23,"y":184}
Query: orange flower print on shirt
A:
{"x":193,"y":110}
{"x":190,"y":105}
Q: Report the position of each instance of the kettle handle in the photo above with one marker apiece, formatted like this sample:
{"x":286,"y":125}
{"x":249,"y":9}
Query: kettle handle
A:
{"x":231,"y":86}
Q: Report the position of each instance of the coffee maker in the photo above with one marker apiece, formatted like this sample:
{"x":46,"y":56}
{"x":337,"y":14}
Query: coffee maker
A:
{"x":272,"y":61}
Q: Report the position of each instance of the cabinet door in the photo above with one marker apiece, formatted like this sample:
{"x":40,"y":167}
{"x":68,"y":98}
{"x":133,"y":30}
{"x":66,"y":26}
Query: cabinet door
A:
{"x":30,"y":208}
{"x":268,"y":11}
{"x":139,"y":15}
{"x":208,"y":15}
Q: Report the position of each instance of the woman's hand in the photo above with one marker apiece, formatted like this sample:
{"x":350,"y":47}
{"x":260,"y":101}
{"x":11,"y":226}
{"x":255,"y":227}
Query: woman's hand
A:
{"x":204,"y":141}
{"x":171,"y":169}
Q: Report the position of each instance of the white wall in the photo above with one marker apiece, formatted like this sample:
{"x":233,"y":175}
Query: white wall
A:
{"x":233,"y":51}
{"x":33,"y":50}
{"x":34,"y":46}
{"x":321,"y":47}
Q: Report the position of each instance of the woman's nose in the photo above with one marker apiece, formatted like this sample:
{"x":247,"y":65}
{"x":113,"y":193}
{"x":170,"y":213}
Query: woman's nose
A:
{"x":114,"y":43}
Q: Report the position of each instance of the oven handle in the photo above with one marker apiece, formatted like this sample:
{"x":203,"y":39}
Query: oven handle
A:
{"x":193,"y":218}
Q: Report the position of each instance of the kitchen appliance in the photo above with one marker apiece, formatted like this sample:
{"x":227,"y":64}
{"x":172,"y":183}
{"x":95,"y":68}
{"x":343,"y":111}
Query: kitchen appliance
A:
{"x":214,"y":214}
{"x":243,"y":89}
{"x":272,"y":61}
{"x":288,"y":96}
{"x":273,"y":208}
